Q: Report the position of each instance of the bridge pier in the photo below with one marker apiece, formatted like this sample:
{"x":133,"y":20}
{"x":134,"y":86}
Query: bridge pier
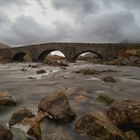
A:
{"x":71,"y":60}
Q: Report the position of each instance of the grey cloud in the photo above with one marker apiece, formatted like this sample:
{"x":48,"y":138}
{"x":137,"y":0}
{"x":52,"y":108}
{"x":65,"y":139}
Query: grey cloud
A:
{"x":12,"y":2}
{"x":5,"y":4}
{"x":26,"y":30}
{"x":130,"y":3}
{"x":112,"y":27}
{"x":127,"y":4}
{"x":76,"y":7}
{"x":42,"y":6}
{"x":4,"y":20}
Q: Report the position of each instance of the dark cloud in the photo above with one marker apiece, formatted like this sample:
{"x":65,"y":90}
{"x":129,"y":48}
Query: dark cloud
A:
{"x":26,"y":30}
{"x":126,"y":4}
{"x":112,"y":27}
{"x":135,"y":4}
{"x":76,"y":7}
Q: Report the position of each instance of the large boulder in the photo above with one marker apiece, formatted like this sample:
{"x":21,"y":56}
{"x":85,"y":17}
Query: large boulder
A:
{"x":57,"y":107}
{"x":6,"y":99}
{"x":98,"y":126}
{"x":131,"y":135}
{"x":19,"y":115}
{"x":5,"y":134}
{"x":126,"y":114}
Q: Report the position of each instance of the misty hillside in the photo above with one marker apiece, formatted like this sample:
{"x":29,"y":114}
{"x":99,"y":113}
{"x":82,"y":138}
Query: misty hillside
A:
{"x":4,"y":46}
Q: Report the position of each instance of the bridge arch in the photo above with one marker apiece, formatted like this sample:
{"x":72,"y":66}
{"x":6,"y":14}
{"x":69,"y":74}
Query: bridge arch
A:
{"x":42,"y":56}
{"x":19,"y":57}
{"x":88,"y":51}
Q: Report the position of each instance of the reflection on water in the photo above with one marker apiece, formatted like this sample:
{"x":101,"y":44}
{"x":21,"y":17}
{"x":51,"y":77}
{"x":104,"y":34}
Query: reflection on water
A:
{"x":82,"y":92}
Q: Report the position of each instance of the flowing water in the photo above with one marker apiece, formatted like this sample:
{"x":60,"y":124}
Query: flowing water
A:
{"x":82,"y":91}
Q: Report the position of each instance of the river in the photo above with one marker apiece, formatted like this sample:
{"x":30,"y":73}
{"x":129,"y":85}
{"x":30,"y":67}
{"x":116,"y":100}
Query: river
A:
{"x":82,"y":91}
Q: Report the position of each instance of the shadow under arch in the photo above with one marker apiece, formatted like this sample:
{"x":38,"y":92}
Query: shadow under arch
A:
{"x":93,"y":52}
{"x":19,"y":57}
{"x":45,"y":53}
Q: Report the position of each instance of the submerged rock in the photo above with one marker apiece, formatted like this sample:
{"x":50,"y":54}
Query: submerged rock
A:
{"x":31,"y":77}
{"x":58,"y":108}
{"x":126,"y":114}
{"x":109,"y":79}
{"x":94,"y":71}
{"x":23,"y":69}
{"x":19,"y":115}
{"x":80,"y":98}
{"x":6,"y":100}
{"x":5,"y":134}
{"x":106,"y":99}
{"x":88,"y":71}
{"x":33,"y":66}
{"x":97,"y":125}
{"x":40,"y":71}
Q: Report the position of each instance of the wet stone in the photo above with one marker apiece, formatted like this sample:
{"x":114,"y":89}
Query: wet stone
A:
{"x":6,"y":100}
{"x":57,"y":107}
{"x":34,"y":132}
{"x":23,"y":69}
{"x":98,"y":126}
{"x":80,"y":98}
{"x":19,"y":115}
{"x":126,"y":114}
{"x":31,"y":78}
{"x":40,"y":71}
{"x":94,"y":71}
{"x":106,"y":99}
{"x":5,"y":134}
{"x":109,"y":79}
{"x":88,"y":71}
{"x":33,"y":66}
{"x":38,"y":118}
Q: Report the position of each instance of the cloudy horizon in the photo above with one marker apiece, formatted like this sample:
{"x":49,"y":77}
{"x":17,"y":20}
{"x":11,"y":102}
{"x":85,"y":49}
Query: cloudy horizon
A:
{"x":26,"y":22}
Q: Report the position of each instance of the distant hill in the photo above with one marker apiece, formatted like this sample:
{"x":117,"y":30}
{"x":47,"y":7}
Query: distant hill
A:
{"x":89,"y":54}
{"x":4,"y":46}
{"x":55,"y":57}
{"x":126,"y":41}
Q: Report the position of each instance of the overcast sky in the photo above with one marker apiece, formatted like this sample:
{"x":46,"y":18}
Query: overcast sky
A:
{"x":25,"y":22}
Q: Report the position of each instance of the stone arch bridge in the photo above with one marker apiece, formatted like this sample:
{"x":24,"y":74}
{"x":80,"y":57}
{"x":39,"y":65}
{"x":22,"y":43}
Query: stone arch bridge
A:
{"x":71,"y":51}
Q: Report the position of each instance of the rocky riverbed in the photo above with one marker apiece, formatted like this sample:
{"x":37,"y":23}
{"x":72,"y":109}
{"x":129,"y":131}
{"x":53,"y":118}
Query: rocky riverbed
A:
{"x":59,"y":103}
